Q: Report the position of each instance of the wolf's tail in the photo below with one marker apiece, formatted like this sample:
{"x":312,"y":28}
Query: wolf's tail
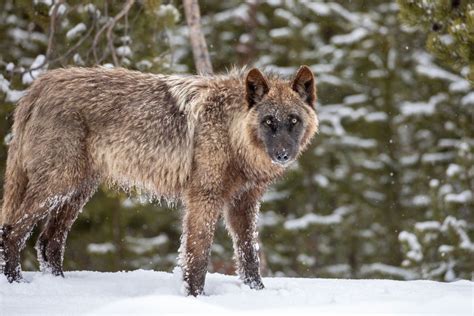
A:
{"x":14,"y":190}
{"x":16,"y":179}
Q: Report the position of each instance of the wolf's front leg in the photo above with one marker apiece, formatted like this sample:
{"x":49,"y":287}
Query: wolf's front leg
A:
{"x":202,"y":214}
{"x":241,"y":220}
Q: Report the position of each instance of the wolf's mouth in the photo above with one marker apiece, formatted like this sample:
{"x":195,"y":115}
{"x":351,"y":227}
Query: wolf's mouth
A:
{"x":284,"y":163}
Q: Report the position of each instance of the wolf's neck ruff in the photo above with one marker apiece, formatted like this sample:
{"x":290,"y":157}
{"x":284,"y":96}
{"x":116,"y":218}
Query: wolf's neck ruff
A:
{"x":190,"y":90}
{"x":187,"y":90}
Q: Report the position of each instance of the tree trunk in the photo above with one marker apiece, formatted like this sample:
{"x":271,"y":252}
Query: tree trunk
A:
{"x":198,"y":42}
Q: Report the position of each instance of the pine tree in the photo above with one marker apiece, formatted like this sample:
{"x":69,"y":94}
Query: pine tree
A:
{"x":450,"y":28}
{"x":386,"y":189}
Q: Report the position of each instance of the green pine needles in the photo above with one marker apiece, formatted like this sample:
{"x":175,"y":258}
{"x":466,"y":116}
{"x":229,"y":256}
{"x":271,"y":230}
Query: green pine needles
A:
{"x":450,"y":27}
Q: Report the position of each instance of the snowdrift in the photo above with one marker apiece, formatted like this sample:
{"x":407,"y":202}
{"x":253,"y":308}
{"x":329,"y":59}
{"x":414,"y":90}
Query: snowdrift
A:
{"x":158,"y":293}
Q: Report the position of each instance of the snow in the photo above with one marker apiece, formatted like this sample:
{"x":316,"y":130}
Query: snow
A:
{"x":411,"y":240}
{"x":445,"y":189}
{"x":468,"y":99}
{"x":376,"y":117}
{"x":308,"y":219}
{"x":144,"y":64}
{"x":322,"y":68}
{"x":239,"y":12}
{"x":453,"y":170}
{"x":357,"y":142}
{"x":158,"y":293}
{"x":433,"y":158}
{"x":434,"y":183}
{"x":340,"y":269}
{"x":437,"y":73}
{"x":372,"y":165}
{"x":22,"y":36}
{"x":268,"y":218}
{"x":428,"y":225}
{"x":321,"y":180}
{"x":319,"y":8}
{"x":285,"y":71}
{"x":401,"y":273}
{"x":351,"y":38}
{"x":311,"y":218}
{"x":61,"y":9}
{"x":463,"y":197}
{"x":330,"y":80}
{"x":443,"y":249}
{"x":422,"y":108}
{"x":374,"y":195}
{"x":458,"y":226}
{"x":274,"y":3}
{"x":460,"y":86}
{"x":282,"y":32}
{"x":168,"y":10}
{"x":417,"y":108}
{"x":355,"y":99}
{"x":124,"y":51}
{"x":355,"y":18}
{"x":92,"y":9}
{"x":78,"y":59}
{"x":11,"y":95}
{"x":291,"y":19}
{"x":76,"y":31}
{"x":272,"y":195}
{"x":10,"y":67}
{"x":409,"y":160}
{"x":143,"y":245}
{"x":100,"y":248}
{"x":421,"y":200}
{"x":37,"y":67}
{"x":429,"y":69}
{"x":334,"y":113}
{"x":306,"y":260}
{"x":46,"y":2}
{"x":446,"y":39}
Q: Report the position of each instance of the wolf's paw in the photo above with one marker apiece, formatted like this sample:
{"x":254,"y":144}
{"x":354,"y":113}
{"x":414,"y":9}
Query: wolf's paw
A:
{"x":14,"y":277}
{"x":254,"y":284}
{"x":3,"y":260}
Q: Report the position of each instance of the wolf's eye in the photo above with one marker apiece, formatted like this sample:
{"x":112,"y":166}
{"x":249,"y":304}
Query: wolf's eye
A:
{"x":294,"y":120}
{"x":268,"y":122}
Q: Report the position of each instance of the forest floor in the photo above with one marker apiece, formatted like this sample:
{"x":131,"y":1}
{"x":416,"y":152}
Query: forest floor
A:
{"x":159,"y":293}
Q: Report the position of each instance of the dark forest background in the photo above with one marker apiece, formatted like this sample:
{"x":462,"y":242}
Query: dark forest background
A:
{"x":386,"y":189}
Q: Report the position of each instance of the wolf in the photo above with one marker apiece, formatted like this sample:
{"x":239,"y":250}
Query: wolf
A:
{"x":214,"y":142}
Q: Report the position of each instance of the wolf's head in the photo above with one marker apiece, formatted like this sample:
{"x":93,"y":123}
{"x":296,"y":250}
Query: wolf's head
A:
{"x":283,"y":113}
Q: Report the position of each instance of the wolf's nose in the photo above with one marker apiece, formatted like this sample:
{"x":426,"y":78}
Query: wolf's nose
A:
{"x":282,"y":157}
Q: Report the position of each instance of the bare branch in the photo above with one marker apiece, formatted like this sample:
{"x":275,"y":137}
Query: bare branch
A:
{"x":198,"y":42}
{"x":120,"y":15}
{"x":78,"y":44}
{"x":52,"y":29}
{"x":109,"y":26}
{"x":96,"y":41}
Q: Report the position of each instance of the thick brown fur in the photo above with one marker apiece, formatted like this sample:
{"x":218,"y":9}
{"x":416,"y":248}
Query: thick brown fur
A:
{"x":195,"y":138}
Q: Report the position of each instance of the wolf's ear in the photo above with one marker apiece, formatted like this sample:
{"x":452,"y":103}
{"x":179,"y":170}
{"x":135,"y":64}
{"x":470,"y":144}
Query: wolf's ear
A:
{"x":304,"y":85}
{"x":256,"y":86}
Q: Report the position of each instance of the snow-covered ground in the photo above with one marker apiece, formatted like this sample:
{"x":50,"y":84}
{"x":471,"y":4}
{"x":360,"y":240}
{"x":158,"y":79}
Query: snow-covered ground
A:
{"x":159,"y":293}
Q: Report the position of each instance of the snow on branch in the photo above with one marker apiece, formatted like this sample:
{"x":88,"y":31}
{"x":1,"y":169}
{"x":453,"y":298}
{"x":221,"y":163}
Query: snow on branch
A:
{"x":314,"y":219}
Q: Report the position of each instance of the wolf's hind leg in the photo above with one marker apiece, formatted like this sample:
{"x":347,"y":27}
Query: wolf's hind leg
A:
{"x":52,"y":240}
{"x":17,"y":229}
